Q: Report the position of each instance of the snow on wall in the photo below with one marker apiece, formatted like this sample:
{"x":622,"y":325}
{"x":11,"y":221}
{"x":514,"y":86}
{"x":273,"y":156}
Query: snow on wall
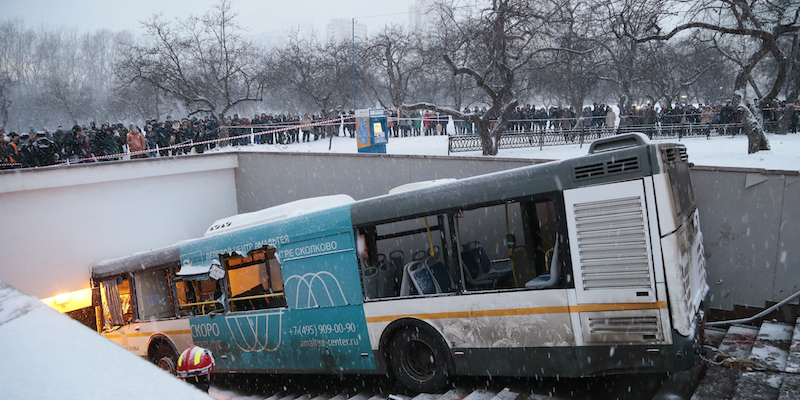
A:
{"x":47,"y":355}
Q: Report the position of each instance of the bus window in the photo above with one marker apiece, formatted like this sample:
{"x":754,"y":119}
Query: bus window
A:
{"x":198,"y":294}
{"x":405,"y":258}
{"x":153,"y":298}
{"x":116,"y":299}
{"x":254,"y":282}
{"x":510,"y":245}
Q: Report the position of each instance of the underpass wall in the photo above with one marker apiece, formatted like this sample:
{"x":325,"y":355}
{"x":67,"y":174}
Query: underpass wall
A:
{"x":58,"y":221}
{"x":750,"y":220}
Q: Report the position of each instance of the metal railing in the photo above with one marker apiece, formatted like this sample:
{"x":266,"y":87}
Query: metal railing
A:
{"x":581,"y":135}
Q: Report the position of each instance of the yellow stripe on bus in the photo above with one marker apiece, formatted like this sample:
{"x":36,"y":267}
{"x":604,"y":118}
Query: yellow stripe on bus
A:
{"x":139,"y":334}
{"x":526,"y":311}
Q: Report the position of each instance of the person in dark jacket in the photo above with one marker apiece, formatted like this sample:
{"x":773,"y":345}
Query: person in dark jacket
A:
{"x":27,"y":151}
{"x":12,"y":149}
{"x":104,"y":144}
{"x":70,"y":145}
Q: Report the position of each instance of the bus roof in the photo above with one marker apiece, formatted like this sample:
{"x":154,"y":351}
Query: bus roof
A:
{"x":282,"y":211}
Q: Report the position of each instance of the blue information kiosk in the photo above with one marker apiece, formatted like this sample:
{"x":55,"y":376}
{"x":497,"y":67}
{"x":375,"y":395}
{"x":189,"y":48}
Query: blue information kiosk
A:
{"x":371,"y":130}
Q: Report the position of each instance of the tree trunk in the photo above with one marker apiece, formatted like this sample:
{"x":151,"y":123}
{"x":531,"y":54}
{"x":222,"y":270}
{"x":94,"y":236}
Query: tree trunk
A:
{"x":785,"y":118}
{"x":490,"y":138}
{"x":756,"y":139}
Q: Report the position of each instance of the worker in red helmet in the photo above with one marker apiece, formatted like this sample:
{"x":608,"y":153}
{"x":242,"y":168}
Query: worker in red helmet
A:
{"x":195,"y":365}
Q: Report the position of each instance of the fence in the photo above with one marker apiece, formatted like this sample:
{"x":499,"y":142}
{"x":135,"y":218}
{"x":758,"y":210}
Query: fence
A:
{"x":554,"y":137}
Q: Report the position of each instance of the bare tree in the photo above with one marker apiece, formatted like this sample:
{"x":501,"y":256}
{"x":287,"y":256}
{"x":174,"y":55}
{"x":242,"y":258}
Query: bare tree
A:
{"x":204,"y":62}
{"x":498,"y":43}
{"x":761,"y":24}
{"x":398,"y":58}
{"x":319,"y":73}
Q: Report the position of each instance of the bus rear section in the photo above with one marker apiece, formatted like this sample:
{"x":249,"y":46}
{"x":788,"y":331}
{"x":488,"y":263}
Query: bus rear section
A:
{"x":637,"y":256}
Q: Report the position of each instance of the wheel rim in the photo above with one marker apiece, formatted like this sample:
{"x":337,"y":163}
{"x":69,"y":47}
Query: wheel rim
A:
{"x":418,"y":360}
{"x":166,"y":364}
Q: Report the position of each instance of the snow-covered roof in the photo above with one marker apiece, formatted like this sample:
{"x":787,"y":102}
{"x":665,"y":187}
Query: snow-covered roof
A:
{"x":143,"y":260}
{"x":286,"y":210}
{"x":419,"y":185}
{"x":189,"y":270}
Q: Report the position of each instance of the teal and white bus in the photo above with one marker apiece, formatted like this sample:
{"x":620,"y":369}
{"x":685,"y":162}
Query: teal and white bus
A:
{"x":581,"y":267}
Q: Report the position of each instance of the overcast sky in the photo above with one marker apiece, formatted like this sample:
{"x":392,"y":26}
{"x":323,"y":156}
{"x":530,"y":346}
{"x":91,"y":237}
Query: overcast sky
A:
{"x":258,"y":16}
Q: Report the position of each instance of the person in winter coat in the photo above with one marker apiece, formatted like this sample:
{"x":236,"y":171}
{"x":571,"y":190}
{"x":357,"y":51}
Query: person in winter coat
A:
{"x":27,"y":151}
{"x":84,"y":146}
{"x":71,"y":145}
{"x":306,"y":127}
{"x":12,"y":148}
{"x":137,"y":144}
{"x":104,"y":144}
{"x":4,"y":152}
{"x":611,"y":119}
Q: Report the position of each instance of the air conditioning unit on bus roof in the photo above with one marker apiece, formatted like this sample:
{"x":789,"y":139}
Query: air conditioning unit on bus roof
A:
{"x":634,"y":139}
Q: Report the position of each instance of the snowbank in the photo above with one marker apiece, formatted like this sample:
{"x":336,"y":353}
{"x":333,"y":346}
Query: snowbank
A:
{"x":722,"y":151}
{"x":47,"y":355}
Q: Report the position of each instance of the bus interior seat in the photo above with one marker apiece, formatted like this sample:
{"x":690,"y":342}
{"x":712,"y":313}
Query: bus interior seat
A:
{"x":479,"y":266}
{"x":406,"y":286}
{"x":550,"y":277}
{"x":423,"y":279}
{"x":396,"y":257}
{"x":385,"y":283}
{"x":443,"y":279}
{"x":524,"y":268}
{"x":422,"y":254}
{"x":371,"y":282}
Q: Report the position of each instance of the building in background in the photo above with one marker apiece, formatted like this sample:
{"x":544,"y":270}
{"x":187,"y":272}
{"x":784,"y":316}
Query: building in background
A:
{"x":343,"y":29}
{"x":422,"y":16}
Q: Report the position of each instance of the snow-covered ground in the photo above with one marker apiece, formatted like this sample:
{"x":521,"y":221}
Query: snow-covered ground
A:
{"x":717,"y":151}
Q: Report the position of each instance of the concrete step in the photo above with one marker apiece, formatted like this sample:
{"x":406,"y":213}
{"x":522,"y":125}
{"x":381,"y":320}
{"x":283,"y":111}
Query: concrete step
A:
{"x":506,"y":394}
{"x":719,"y":382}
{"x":739,"y":341}
{"x":481,"y":394}
{"x":790,"y":389}
{"x":277,"y":396}
{"x":290,"y":396}
{"x":455,"y":394}
{"x":323,"y":396}
{"x":365,"y":394}
{"x":758,"y":386}
{"x":793,"y":361}
{"x":771,"y":348}
{"x":427,"y":396}
{"x":713,"y":336}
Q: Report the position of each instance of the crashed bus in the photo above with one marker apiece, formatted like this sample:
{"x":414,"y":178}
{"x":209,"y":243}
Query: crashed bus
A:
{"x":581,"y":267}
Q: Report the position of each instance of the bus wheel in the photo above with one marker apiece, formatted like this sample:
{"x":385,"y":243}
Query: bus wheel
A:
{"x":418,"y":361}
{"x":165,"y":358}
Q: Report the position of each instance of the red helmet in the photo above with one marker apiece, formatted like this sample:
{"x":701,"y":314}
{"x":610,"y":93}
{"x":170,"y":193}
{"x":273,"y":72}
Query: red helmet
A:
{"x":195,"y":361}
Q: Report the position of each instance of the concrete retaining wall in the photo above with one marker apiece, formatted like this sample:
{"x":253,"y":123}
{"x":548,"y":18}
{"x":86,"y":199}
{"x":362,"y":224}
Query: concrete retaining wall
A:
{"x":58,"y":221}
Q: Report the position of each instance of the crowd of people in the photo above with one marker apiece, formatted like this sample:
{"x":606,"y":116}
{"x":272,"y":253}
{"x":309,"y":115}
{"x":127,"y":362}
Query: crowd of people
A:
{"x":90,"y":143}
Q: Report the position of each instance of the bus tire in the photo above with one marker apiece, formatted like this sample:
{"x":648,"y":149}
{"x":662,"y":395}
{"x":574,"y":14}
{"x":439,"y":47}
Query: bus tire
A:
{"x":418,"y":360}
{"x":165,"y":358}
